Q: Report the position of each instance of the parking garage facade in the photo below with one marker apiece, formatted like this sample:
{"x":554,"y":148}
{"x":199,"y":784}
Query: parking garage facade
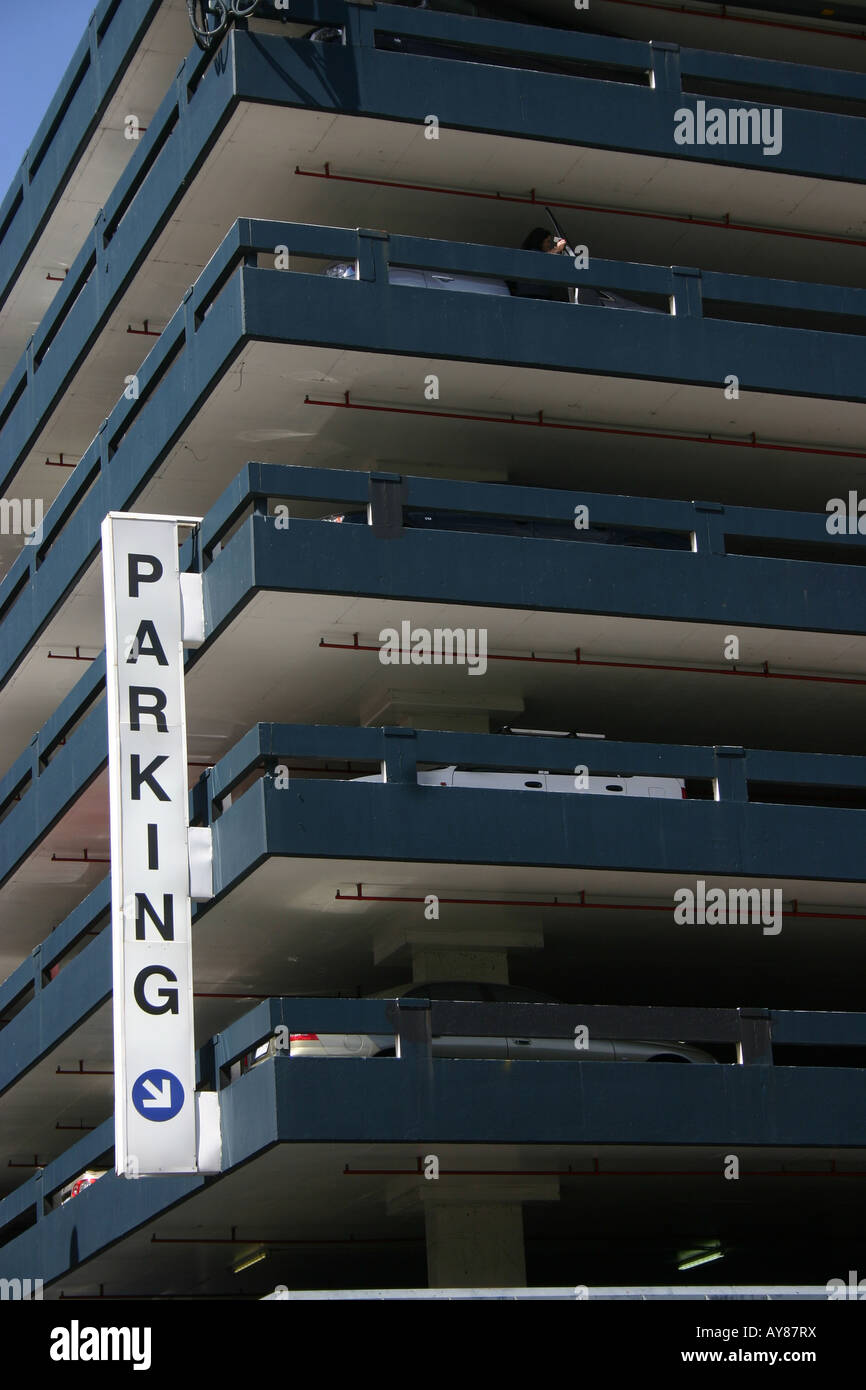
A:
{"x":633,"y":486}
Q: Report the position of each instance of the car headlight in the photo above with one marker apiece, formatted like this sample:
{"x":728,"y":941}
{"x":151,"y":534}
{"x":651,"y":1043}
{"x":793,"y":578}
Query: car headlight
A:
{"x":344,"y":271}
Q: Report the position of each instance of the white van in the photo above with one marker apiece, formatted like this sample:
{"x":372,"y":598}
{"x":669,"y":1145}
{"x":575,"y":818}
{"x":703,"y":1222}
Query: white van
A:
{"x":670,"y":788}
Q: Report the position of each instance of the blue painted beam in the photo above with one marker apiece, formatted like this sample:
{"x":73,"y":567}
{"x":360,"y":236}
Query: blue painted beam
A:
{"x":552,"y":1103}
{"x":570,"y":110}
{"x":350,"y":488}
{"x":323,"y":820}
{"x":595,"y":49}
{"x":82,"y":758}
{"x":80,"y":920}
{"x":513,"y":572}
{"x":784,"y":78}
{"x":56,"y":1011}
{"x":696,"y":351}
{"x":111,"y":1208}
{"x":265,"y":744}
{"x":33,"y":1194}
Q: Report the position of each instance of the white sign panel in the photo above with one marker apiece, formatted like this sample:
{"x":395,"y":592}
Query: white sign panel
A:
{"x":154,"y":1054}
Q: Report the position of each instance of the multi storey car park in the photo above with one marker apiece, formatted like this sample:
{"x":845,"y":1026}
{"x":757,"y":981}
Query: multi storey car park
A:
{"x":171,"y":343}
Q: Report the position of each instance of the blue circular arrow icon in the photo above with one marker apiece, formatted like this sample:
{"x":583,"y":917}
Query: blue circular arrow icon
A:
{"x":157,"y":1095}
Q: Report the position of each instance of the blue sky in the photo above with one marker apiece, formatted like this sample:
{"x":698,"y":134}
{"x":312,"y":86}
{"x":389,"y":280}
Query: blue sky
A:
{"x":39,"y":39}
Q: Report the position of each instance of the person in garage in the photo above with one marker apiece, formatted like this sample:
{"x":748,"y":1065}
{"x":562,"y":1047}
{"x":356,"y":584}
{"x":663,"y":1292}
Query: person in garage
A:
{"x":540,"y":239}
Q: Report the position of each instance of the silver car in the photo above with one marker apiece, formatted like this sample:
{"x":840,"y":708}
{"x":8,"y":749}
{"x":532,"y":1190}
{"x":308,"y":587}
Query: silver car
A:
{"x":426,"y":279}
{"x":478,"y":284}
{"x":521,"y":1048}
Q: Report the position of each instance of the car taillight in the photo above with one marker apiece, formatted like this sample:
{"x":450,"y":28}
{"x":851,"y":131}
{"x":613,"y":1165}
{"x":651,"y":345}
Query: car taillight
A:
{"x":303,"y":1037}
{"x":683,"y":790}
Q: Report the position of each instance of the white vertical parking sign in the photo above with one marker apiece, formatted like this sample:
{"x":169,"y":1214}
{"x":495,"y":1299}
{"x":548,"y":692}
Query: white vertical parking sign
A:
{"x":154,"y":1053}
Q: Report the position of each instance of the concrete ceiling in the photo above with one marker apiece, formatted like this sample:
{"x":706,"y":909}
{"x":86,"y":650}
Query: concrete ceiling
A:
{"x":298,"y":681}
{"x":299,"y":937}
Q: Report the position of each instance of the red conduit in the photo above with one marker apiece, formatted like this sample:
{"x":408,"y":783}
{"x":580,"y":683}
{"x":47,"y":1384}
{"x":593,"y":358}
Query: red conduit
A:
{"x":81,"y":1070}
{"x":77,"y":859}
{"x":577,"y":660}
{"x":722,"y":224}
{"x":541,"y":423}
{"x":582,"y":903}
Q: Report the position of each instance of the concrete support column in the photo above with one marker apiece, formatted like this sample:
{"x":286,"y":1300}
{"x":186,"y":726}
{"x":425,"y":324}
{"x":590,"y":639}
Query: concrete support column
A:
{"x":475,"y":1246}
{"x":474,"y":1226}
{"x":436,"y":951}
{"x":440,"y":963}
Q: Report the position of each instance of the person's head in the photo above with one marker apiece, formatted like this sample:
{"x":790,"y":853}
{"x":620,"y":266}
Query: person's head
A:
{"x":539,"y":239}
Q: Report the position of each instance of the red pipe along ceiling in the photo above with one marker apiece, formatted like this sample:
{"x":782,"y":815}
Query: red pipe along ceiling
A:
{"x":720,"y":223}
{"x":362,"y":897}
{"x":577,"y":660}
{"x":597,"y":1172}
{"x":538,"y":422}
